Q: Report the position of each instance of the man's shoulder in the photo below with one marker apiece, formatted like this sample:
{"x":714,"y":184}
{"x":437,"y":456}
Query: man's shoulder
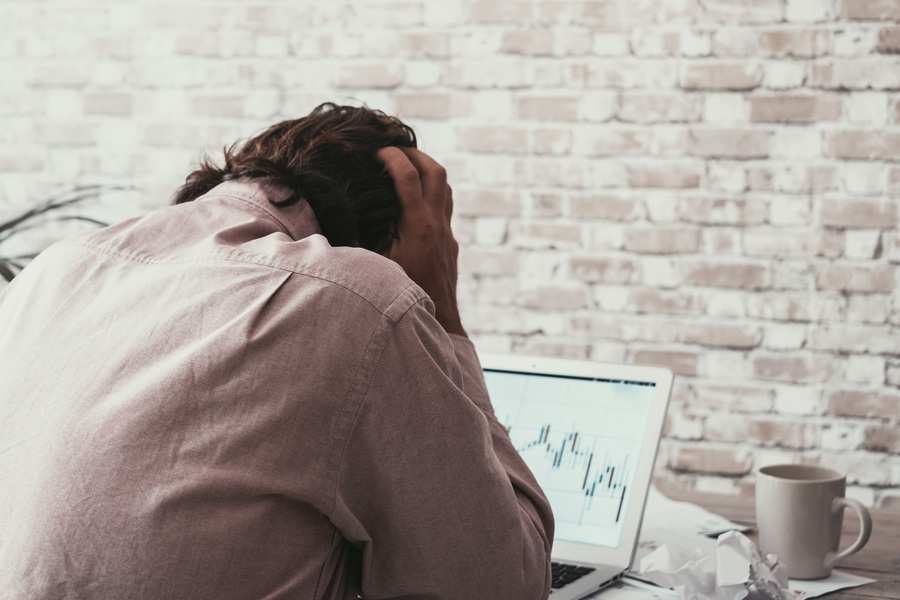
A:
{"x":371,"y":277}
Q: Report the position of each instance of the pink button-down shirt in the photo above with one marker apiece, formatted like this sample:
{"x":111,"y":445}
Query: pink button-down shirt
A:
{"x":212,"y":402}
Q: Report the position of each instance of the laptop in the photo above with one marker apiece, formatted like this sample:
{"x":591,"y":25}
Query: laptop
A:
{"x":589,"y":432}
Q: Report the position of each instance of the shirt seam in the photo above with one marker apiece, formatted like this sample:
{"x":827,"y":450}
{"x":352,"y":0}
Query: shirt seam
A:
{"x":211,"y":257}
{"x":362,"y":396}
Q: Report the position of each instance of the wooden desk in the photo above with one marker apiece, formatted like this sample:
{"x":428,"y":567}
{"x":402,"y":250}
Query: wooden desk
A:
{"x":879,"y":560}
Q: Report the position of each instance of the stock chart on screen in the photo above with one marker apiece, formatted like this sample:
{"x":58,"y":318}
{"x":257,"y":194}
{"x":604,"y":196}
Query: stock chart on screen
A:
{"x":581,"y":438}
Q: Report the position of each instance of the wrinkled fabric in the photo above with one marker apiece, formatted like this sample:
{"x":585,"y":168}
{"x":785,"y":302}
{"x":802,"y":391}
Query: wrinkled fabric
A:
{"x":212,"y":402}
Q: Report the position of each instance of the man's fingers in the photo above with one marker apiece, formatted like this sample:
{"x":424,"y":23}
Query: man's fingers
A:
{"x":407,"y":182}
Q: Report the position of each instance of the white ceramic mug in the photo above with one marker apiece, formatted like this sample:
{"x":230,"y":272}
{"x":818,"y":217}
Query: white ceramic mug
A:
{"x":800,"y":512}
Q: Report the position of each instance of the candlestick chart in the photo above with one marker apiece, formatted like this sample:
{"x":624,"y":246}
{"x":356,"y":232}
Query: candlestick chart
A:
{"x":581,"y":439}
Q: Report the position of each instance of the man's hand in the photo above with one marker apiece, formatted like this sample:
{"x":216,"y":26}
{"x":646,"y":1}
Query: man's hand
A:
{"x":425,"y":247}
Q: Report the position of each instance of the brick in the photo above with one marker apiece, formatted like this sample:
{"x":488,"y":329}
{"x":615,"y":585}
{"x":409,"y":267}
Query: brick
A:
{"x":669,"y":175}
{"x":894,"y":179}
{"x":859,"y":339}
{"x":543,"y":205}
{"x":722,"y":335}
{"x":531,"y":42}
{"x":708,"y":459}
{"x":639,"y":107}
{"x":607,"y":141}
{"x":623,"y":74}
{"x":795,"y":108}
{"x":791,"y":306}
{"x":866,"y":145}
{"x":545,"y":234}
{"x":783,"y":433}
{"x":502,"y":73}
{"x":60,"y":75}
{"x":388,"y":15}
{"x":564,"y":297}
{"x":519,"y":323}
{"x":208,"y":44}
{"x":781,"y":243}
{"x":784,"y":337}
{"x":265,"y":18}
{"x":56,"y":133}
{"x":662,"y":240}
{"x":794,"y":43}
{"x":486,"y":203}
{"x":606,"y":207}
{"x":218,"y":106}
{"x":543,"y":346}
{"x":109,"y":104}
{"x":497,"y":140}
{"x":882,"y":438}
{"x":726,"y":274}
{"x":111,"y":46}
{"x":729,"y":143}
{"x":867,"y":404}
{"x":740,"y":11}
{"x":488,"y":262}
{"x":773,"y":43}
{"x":865,"y":370}
{"x":596,"y":327}
{"x":870,"y":10}
{"x":546,"y":42}
{"x":792,"y":178}
{"x":20,"y":161}
{"x":855,"y":278}
{"x":720,"y":427}
{"x":722,"y":211}
{"x":864,"y":178}
{"x":546,"y":172}
{"x":869,"y":214}
{"x":855,"y":40}
{"x":681,"y":362}
{"x":863,"y":468}
{"x":603,"y":269}
{"x":868,"y":308}
{"x":667,"y":302}
{"x":488,"y":12}
{"x":431,"y":105}
{"x":722,"y":76}
{"x":555,"y":142}
{"x":365,"y":76}
{"x":856,"y":74}
{"x":889,"y":40}
{"x":731,"y":398}
{"x":550,"y":108}
{"x":656,"y":43}
{"x":841,"y":436}
{"x":794,"y":368}
{"x":784,"y":75}
{"x":679,"y":426}
{"x":807,"y":11}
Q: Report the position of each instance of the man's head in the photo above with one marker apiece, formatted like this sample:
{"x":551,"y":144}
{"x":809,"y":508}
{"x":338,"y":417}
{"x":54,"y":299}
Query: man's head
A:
{"x":327,"y":159}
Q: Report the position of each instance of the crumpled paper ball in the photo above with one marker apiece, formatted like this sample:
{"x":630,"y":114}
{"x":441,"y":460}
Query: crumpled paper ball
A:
{"x":737,"y":571}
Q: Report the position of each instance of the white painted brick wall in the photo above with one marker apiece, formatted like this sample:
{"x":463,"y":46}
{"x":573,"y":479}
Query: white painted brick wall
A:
{"x":709,"y":185}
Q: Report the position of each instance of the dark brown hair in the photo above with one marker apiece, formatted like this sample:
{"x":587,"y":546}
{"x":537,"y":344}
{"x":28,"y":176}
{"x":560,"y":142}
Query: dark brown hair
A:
{"x":327,"y":159}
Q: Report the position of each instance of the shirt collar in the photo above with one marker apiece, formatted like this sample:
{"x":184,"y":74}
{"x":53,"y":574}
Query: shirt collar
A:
{"x":297,"y":220}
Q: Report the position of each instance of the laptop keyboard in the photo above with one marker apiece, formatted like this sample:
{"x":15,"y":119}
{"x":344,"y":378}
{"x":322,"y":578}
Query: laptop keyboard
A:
{"x":564,"y":574}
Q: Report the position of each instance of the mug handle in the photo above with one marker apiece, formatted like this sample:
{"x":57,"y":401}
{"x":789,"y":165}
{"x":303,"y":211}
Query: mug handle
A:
{"x":865,"y":529}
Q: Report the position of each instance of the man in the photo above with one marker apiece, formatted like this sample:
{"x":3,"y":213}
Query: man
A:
{"x":263,"y":391}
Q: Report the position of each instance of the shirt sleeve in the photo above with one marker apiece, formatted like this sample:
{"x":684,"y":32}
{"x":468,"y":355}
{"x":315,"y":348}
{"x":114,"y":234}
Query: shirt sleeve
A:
{"x":431,"y":490}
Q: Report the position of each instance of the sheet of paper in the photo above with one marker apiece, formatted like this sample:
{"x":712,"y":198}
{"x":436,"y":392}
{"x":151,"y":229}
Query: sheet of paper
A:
{"x":631,"y":589}
{"x":836,"y":581}
{"x":664,"y":513}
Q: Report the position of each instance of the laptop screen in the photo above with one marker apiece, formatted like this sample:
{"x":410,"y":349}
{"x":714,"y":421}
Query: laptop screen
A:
{"x":581,"y":437}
